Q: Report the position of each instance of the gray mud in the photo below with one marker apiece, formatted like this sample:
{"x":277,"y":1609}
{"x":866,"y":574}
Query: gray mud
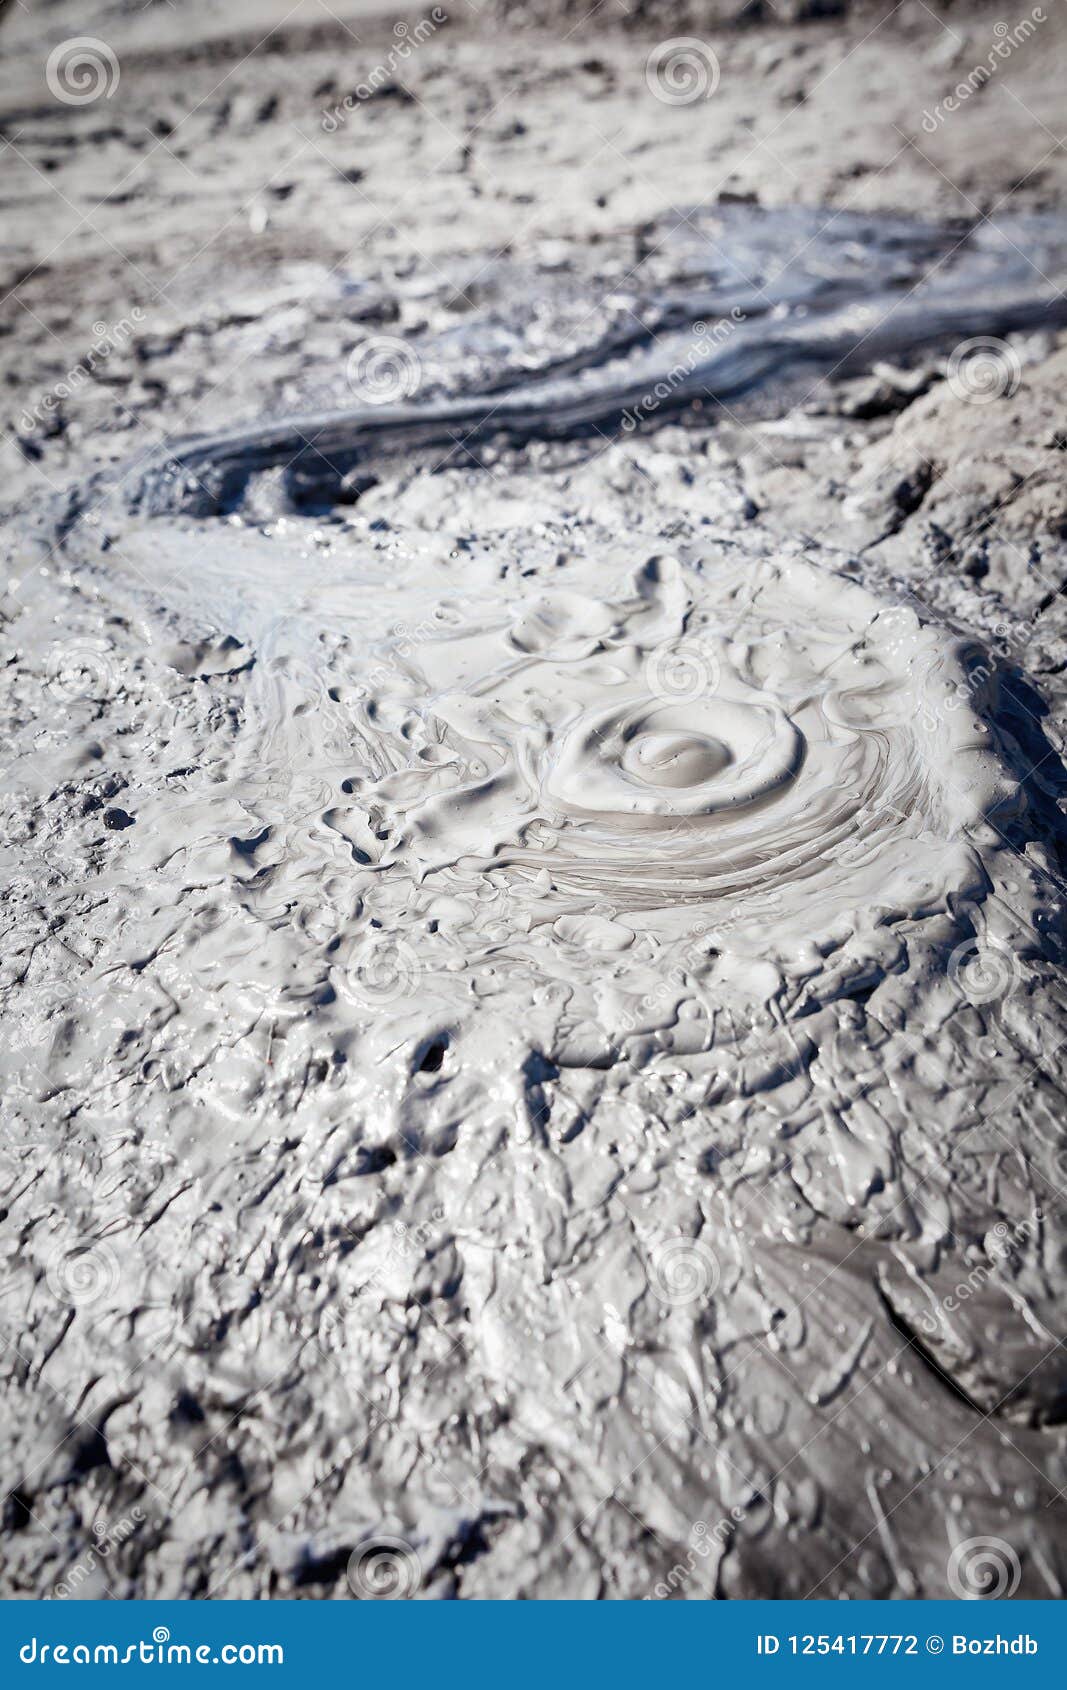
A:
{"x":779,"y":295}
{"x":533,"y":973}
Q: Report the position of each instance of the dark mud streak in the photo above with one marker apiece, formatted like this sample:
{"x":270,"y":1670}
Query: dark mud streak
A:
{"x":905,"y":1330}
{"x":779,"y":293}
{"x":207,"y":475}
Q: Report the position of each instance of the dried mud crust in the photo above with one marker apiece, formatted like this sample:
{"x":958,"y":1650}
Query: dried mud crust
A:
{"x":305,"y":1252}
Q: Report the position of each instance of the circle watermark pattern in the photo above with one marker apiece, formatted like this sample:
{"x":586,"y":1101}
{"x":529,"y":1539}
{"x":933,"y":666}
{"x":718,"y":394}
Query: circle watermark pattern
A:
{"x":681,"y":1271}
{"x":380,"y":972}
{"x":384,"y":1569}
{"x":983,"y":971}
{"x":680,"y":671}
{"x":83,"y":1273}
{"x":982,"y":370}
{"x":79,"y":669}
{"x":82,"y":70}
{"x":681,"y":71}
{"x":383,"y":370}
{"x":983,"y":1569}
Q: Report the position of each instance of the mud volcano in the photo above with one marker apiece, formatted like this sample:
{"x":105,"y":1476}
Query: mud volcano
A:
{"x":533,"y":982}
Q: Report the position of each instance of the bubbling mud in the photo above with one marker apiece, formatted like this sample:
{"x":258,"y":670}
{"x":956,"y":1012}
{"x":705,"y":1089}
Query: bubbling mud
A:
{"x":767,"y":757}
{"x":581,"y":1007}
{"x":586,"y":1040}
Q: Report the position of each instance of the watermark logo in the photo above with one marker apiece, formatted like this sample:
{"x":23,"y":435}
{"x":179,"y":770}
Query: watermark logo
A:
{"x":384,"y":1569}
{"x":382,"y":370}
{"x":983,"y":970}
{"x":407,"y":1244}
{"x":159,"y":1650}
{"x":1004,"y":1241}
{"x":983,"y":1569}
{"x":706,"y":338}
{"x":406,"y":38}
{"x":405,"y":642}
{"x":79,"y":669}
{"x":982,"y":370}
{"x":969,"y":694}
{"x":379,"y":970}
{"x":680,"y":671}
{"x":106,"y":1539}
{"x":1008,"y":39}
{"x":681,"y":71}
{"x":702,"y":1543}
{"x":681,"y":1271}
{"x":82,"y":70}
{"x":83,"y":1273}
{"x":107,"y":339}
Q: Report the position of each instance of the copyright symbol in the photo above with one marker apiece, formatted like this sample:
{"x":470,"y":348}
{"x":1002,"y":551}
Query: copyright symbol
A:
{"x":935,"y":1645}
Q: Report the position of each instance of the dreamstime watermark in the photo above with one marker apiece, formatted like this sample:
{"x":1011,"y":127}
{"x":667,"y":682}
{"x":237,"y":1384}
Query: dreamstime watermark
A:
{"x":983,"y":969}
{"x":999,"y":1247}
{"x":407,"y":38}
{"x":681,"y":71}
{"x":45,"y":1007}
{"x":970,"y":694}
{"x":383,"y":369}
{"x":707,"y":337}
{"x":695,"y":956}
{"x":758,"y":909}
{"x":680,"y":671}
{"x":405,"y":1244}
{"x":106,"y":1539}
{"x":80,"y":669}
{"x":384,"y":1569}
{"x":1059,"y":1162}
{"x":405,"y":641}
{"x":82,"y":1273}
{"x":157,"y":1651}
{"x":982,"y":370}
{"x":681,"y":1271}
{"x":82,"y":70}
{"x":109,"y":338}
{"x":378,"y":970}
{"x":702,"y":1543}
{"x":983,"y":1569}
{"x":1008,"y":39}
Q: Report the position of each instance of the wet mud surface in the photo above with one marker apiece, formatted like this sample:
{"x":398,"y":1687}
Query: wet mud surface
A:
{"x":533,"y":972}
